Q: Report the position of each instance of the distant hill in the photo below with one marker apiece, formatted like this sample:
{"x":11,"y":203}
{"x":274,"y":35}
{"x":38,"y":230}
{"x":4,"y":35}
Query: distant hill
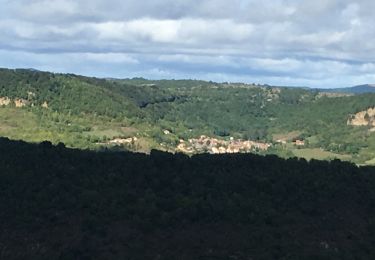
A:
{"x":360,"y":89}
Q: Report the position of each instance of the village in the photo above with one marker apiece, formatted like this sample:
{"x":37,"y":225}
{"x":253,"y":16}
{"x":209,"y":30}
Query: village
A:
{"x":205,"y":144}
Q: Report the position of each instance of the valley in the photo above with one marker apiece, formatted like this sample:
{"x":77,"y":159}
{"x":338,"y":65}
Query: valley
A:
{"x":188,"y":116}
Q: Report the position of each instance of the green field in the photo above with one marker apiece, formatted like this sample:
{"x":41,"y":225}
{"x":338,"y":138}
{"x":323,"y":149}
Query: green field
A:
{"x":319,"y":154}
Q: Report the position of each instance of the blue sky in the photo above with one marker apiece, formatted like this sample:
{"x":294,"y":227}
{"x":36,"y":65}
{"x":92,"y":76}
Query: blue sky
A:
{"x":320,"y":43}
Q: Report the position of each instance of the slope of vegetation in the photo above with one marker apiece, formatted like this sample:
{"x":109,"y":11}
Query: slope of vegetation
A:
{"x":88,"y":112}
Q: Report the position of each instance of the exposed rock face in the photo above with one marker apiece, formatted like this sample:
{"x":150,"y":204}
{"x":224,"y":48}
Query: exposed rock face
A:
{"x":20,"y":102}
{"x":4,"y":101}
{"x":363,"y":118}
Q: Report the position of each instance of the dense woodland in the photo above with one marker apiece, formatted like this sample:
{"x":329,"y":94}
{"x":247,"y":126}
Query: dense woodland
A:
{"x":84,"y":112}
{"x":59,"y":203}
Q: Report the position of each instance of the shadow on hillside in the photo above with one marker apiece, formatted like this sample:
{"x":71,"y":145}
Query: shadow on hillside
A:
{"x":59,"y":203}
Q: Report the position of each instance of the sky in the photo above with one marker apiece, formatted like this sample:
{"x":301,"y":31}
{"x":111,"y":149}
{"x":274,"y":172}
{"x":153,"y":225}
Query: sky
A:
{"x":320,"y":43}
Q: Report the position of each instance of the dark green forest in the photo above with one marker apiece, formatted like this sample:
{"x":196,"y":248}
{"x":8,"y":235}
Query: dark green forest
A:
{"x":60,"y":203}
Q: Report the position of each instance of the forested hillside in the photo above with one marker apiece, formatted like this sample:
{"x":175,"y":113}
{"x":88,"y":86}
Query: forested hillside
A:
{"x":59,"y":203}
{"x":172,"y":115}
{"x":361,"y":89}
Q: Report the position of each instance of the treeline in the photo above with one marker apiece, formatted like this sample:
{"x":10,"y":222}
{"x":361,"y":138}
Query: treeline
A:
{"x":59,"y":203}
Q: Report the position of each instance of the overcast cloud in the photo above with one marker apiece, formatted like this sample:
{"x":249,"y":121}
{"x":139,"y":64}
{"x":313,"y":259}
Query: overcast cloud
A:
{"x":320,"y":43}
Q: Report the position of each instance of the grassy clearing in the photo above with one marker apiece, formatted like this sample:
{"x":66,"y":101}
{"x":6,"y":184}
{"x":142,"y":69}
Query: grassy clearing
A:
{"x":286,"y":136}
{"x":13,"y":121}
{"x":319,"y":154}
{"x":313,"y":140}
{"x":110,"y":133}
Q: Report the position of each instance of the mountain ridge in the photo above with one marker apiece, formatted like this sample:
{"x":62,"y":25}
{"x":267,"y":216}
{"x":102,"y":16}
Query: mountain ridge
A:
{"x":358,"y":89}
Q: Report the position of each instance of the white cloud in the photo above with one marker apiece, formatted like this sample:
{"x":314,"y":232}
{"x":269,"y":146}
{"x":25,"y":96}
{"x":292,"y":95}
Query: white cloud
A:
{"x":109,"y":58}
{"x":327,"y":41}
{"x":184,"y":31}
{"x":48,"y":8}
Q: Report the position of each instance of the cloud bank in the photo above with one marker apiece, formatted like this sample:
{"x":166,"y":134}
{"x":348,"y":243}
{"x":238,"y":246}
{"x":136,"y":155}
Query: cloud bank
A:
{"x":321,"y":43}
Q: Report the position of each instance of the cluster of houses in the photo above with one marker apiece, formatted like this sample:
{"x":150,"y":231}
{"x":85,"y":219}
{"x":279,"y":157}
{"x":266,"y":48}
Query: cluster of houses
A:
{"x":299,"y":142}
{"x":218,"y":146}
{"x":296,"y":142}
{"x":122,"y":141}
